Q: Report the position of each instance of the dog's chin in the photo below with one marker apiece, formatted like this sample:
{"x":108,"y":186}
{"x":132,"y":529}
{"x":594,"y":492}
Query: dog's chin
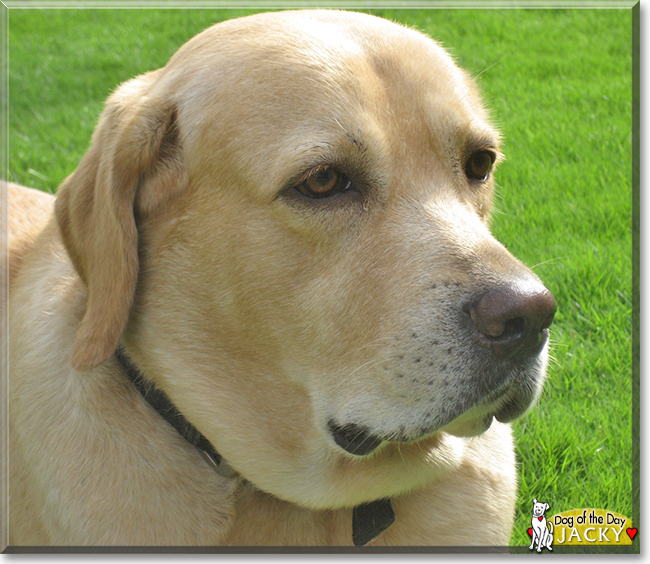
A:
{"x":360,"y":440}
{"x":469,"y":427}
{"x":478,"y":420}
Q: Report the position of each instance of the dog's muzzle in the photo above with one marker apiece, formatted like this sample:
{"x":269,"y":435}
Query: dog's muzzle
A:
{"x":508,"y":326}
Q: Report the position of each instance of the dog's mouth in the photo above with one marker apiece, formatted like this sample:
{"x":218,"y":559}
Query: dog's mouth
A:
{"x":360,"y":440}
{"x":353,"y":438}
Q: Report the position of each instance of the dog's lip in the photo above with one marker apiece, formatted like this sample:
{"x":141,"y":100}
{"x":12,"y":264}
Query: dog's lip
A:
{"x":503,"y":405}
{"x":510,"y":411}
{"x":358,"y":440}
{"x":353,"y":438}
{"x":499,"y":405}
{"x":513,"y":405}
{"x":471,"y":427}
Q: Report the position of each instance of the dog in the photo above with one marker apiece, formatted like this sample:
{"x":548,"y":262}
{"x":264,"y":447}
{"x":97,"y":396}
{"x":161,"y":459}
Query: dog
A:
{"x":541,"y":532}
{"x":267,"y":309}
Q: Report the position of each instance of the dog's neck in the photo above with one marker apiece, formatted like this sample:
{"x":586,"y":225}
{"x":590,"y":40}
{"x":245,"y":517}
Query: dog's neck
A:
{"x":161,"y":403}
{"x":369,"y":520}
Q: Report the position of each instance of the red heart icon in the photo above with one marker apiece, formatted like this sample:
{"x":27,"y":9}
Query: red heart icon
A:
{"x":631,"y":533}
{"x":530,"y":532}
{"x":540,"y":518}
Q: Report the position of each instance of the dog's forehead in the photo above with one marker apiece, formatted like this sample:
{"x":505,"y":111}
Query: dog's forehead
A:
{"x":291,"y":81}
{"x":318,"y":44}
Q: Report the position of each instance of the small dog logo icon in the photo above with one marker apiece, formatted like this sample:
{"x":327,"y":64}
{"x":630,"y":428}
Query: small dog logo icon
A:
{"x":540,"y":530}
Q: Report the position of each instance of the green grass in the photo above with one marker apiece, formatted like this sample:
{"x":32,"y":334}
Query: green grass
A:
{"x":559,"y":86}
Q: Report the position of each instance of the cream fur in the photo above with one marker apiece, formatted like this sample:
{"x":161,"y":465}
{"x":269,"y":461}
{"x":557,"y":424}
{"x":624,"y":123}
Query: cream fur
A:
{"x":261,"y":314}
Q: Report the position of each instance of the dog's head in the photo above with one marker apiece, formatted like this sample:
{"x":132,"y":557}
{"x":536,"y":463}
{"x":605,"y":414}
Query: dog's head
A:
{"x":287,"y":226}
{"x":539,"y":508}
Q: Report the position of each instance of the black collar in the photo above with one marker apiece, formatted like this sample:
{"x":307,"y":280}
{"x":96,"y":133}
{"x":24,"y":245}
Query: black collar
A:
{"x":164,"y":406}
{"x":369,"y":520}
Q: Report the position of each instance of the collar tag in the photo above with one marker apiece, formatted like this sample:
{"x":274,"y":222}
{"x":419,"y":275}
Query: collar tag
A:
{"x":371,"y":519}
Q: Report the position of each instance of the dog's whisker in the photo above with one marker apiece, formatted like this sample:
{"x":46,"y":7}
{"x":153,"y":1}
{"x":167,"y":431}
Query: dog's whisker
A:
{"x":488,"y":68}
{"x":370,"y":364}
{"x":401,"y":455}
{"x":378,"y":343}
{"x":549,"y":261}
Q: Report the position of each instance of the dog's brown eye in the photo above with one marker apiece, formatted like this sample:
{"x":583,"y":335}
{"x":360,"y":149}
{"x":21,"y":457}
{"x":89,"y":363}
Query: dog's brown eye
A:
{"x":323,"y":183}
{"x":479,"y":165}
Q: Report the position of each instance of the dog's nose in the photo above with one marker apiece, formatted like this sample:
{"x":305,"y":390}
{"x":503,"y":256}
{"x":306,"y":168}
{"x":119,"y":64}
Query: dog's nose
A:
{"x":513,"y":319}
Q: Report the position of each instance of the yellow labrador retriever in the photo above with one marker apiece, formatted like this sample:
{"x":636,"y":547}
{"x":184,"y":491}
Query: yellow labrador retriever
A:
{"x":266,"y":308}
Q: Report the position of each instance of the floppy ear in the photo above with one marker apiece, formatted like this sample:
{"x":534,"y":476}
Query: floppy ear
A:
{"x":135,"y":162}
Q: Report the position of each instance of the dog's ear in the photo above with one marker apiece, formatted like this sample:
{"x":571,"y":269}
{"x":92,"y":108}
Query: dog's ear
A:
{"x":135,"y":162}
{"x":547,"y":506}
{"x":534,"y":500}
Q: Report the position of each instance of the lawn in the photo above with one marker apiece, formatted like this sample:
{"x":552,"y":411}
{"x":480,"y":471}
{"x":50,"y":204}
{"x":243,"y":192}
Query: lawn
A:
{"x":559,"y":83}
